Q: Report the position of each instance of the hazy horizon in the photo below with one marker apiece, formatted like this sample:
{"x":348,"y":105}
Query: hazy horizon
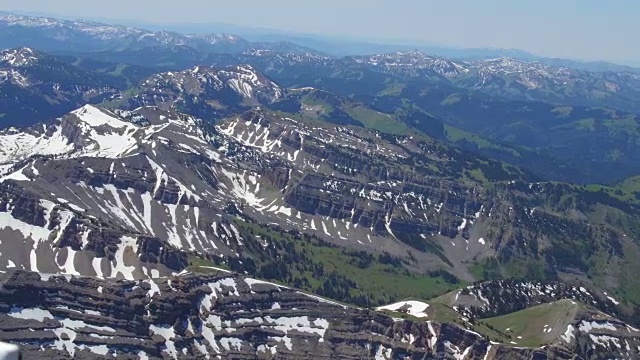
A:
{"x":586,"y":30}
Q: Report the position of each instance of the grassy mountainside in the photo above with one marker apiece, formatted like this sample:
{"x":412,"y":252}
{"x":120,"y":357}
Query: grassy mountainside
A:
{"x":538,"y":325}
{"x":586,"y":144}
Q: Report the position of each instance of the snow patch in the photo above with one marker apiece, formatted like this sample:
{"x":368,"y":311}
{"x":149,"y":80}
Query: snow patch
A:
{"x":413,"y":308}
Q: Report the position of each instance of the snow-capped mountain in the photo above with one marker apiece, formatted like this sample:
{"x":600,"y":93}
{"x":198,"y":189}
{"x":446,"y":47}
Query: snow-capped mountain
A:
{"x":530,"y":74}
{"x":18,"y":57}
{"x":243,"y":80}
{"x":26,"y":67}
{"x":502,"y":78}
{"x":87,"y":131}
{"x":163,"y":174}
{"x":505,"y":78}
{"x":15,"y":63}
{"x":499,"y":72}
{"x":286,"y":57}
{"x":217,"y":38}
{"x":416,"y":60}
{"x":208,"y":92}
{"x":102,"y":36}
{"x":168,"y":175}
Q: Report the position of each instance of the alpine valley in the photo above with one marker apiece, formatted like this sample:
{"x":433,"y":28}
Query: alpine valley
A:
{"x":177,"y":196}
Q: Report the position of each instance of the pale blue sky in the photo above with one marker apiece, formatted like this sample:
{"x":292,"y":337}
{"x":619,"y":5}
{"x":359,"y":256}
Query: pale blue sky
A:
{"x":582,"y":29}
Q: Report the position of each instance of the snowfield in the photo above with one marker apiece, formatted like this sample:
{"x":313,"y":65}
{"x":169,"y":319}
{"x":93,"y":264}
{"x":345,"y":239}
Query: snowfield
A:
{"x":413,"y":308}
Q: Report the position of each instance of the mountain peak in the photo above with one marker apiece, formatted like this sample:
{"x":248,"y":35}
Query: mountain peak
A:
{"x":96,"y":117}
{"x":416,"y":60}
{"x":212,"y":90}
{"x":19,"y":57}
{"x":217,"y":38}
{"x":414,"y":52}
{"x":504,"y":61}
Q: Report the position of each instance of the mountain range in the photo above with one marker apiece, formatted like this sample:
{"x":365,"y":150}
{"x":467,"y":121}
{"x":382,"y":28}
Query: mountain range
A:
{"x":338,"y":46}
{"x":395,"y":205}
{"x":71,"y":36}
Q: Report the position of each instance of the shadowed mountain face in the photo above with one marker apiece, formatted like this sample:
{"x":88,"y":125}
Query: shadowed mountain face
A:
{"x":37,"y":87}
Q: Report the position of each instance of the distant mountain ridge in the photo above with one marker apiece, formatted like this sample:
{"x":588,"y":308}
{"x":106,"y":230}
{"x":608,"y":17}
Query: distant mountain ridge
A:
{"x":341,"y":46}
{"x":58,"y":35}
{"x":329,"y":45}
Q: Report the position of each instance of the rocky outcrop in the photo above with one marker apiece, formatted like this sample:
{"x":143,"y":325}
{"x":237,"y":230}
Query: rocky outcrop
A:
{"x":61,"y":238}
{"x":223,"y":316}
{"x":501,"y":297}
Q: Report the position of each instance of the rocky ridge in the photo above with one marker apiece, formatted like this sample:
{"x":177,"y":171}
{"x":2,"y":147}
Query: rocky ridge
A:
{"x":231,"y":316}
{"x":88,"y":36}
{"x":163,"y":174}
{"x":206,"y":92}
{"x":143,"y":194}
{"x":128,"y":170}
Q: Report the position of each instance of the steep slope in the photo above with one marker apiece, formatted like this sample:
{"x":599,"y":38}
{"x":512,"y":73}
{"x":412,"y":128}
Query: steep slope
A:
{"x":219,"y":191}
{"x":91,"y":161}
{"x":327,"y":208}
{"x":130,"y":169}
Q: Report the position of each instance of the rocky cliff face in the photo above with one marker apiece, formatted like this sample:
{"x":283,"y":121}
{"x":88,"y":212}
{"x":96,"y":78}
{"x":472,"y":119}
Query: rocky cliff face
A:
{"x":155,"y":173}
{"x":161,"y":174}
{"x":230,"y":316}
